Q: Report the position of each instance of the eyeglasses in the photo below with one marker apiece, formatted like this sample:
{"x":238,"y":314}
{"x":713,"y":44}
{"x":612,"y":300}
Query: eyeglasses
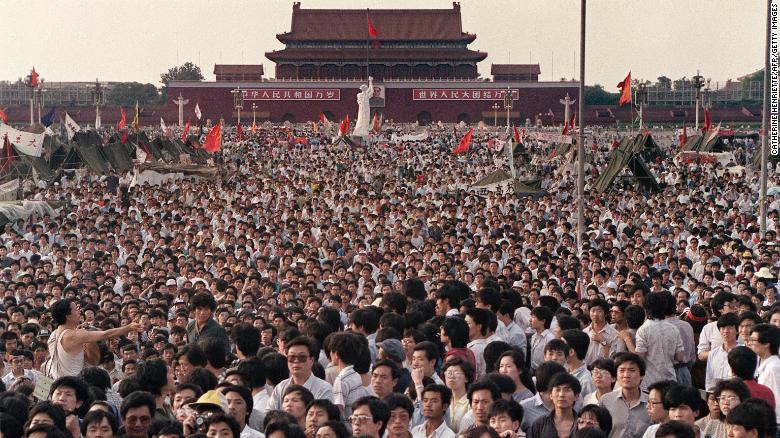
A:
{"x":728,"y":398}
{"x":297,"y":358}
{"x":453,"y":373}
{"x":587,"y":422}
{"x":359,"y":419}
{"x":654,"y":403}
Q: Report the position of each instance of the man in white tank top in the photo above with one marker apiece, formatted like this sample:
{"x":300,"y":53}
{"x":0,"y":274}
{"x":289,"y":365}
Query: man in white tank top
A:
{"x":67,"y":343}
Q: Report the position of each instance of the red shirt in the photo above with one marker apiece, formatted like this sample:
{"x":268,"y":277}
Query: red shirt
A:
{"x":758,"y":390}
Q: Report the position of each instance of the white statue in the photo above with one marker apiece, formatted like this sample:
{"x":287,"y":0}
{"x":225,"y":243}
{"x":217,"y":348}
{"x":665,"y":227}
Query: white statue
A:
{"x":363,"y":121}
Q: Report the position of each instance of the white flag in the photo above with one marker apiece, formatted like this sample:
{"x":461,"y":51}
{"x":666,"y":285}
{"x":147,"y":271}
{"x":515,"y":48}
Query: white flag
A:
{"x":197,"y":111}
{"x":25,"y":142}
{"x":163,"y":127}
{"x":71,"y":126}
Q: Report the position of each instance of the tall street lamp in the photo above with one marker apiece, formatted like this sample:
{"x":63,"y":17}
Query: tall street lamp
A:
{"x":495,"y":108}
{"x":238,"y":102}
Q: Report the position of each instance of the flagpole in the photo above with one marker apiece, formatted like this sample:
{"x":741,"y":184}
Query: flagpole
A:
{"x":367,"y":43}
{"x":765,"y":125}
{"x":581,"y":137}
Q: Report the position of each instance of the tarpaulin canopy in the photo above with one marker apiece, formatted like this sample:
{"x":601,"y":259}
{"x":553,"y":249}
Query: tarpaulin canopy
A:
{"x":627,"y":154}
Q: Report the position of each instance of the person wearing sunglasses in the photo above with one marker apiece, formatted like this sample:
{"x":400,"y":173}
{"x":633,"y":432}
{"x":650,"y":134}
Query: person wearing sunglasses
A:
{"x":301,"y":355}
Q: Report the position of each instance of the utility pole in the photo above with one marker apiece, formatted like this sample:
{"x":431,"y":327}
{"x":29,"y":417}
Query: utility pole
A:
{"x":581,"y":137}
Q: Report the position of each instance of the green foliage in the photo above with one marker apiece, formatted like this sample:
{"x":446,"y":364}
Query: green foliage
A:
{"x":596,"y":95}
{"x":186,"y":72}
{"x":128,"y":93}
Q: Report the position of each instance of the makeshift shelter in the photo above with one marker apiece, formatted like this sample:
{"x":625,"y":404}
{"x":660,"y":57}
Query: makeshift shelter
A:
{"x":13,"y":210}
{"x":89,"y":147}
{"x":628,"y":154}
{"x":500,"y":180}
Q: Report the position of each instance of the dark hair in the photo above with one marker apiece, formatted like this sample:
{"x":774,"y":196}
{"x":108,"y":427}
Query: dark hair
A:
{"x":508,"y":407}
{"x":544,"y":373}
{"x":97,"y":417}
{"x":491,"y":297}
{"x":457,"y":330}
{"x":430,"y":349}
{"x":492,"y":352}
{"x":221,"y":417}
{"x":214,"y":348}
{"x":479,"y":432}
{"x":444,"y":392}
{"x":78,"y":386}
{"x":61,"y":309}
{"x":328,"y":406}
{"x":602,"y":416}
{"x":96,"y":376}
{"x":768,"y":334}
{"x":306,"y":395}
{"x":366,"y":318}
{"x":543,"y":313}
{"x":589,"y":432}
{"x":754,"y":414}
{"x":518,"y":358}
{"x":152,"y":375}
{"x":338,"y":427}
{"x":505,"y":383}
{"x":565,"y":379}
{"x":676,"y":429}
{"x":481,"y":317}
{"x":245,"y":393}
{"x":396,"y":400}
{"x":378,"y":409}
{"x":679,"y":395}
{"x":466,"y":367}
{"x":635,"y":316}
{"x":728,"y":320}
{"x":343,"y":343}
{"x":558,"y":345}
{"x":568,"y":322}
{"x":203,"y":300}
{"x":661,"y":386}
{"x":7,"y":422}
{"x":275,"y":367}
{"x":606,"y":364}
{"x":203,"y":378}
{"x":484,"y":384}
{"x":656,"y":304}
{"x":290,"y":430}
{"x":195,"y":355}
{"x":743,"y":362}
{"x":396,"y":302}
{"x":246,"y":337}
{"x":737,"y":386}
{"x":622,"y":358}
{"x":55,"y":412}
{"x":579,"y":341}
{"x":136,"y":400}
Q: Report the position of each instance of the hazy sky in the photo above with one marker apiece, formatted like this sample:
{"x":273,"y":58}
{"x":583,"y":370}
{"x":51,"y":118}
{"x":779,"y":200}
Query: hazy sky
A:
{"x":80,"y":40}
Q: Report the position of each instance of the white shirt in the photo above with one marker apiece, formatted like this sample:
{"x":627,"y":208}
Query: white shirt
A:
{"x":717,"y":368}
{"x":769,"y":375}
{"x":443,"y":431}
{"x":709,"y":337}
{"x":248,"y":432}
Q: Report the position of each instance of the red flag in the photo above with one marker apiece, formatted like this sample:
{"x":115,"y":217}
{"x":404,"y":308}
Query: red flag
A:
{"x":707,"y":120}
{"x":344,"y":126}
{"x":565,"y":128}
{"x":185,"y":131}
{"x":301,"y":140}
{"x":375,"y":123}
{"x":254,"y":127}
{"x":33,"y":78}
{"x":625,"y":90}
{"x":240,"y":132}
{"x":371,"y":29}
{"x":372,"y":33}
{"x":3,"y":116}
{"x":124,"y":136}
{"x":573,"y":121}
{"x":516,"y":134}
{"x":684,"y":135}
{"x":463,"y":147}
{"x":615,"y":144}
{"x":123,"y":121}
{"x":213,"y":141}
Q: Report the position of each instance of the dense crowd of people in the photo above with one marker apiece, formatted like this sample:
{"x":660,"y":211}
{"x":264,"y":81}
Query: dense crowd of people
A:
{"x":321,"y":290}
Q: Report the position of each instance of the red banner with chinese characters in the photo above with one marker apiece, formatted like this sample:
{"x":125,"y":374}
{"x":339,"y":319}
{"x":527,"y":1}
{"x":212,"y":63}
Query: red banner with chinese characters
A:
{"x":292,"y":94}
{"x":461,"y":94}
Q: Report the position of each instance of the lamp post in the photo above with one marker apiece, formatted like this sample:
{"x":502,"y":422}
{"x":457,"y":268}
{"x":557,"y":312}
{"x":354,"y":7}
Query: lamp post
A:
{"x":507,"y":104}
{"x":98,"y":99}
{"x":254,"y":107}
{"x":641,"y":99}
{"x":495,"y":108}
{"x":40,"y":101}
{"x":698,"y":83}
{"x":238,"y":102}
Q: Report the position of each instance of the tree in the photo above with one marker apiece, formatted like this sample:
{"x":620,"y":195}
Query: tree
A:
{"x":186,"y":72}
{"x":596,"y":95}
{"x":664,"y":83}
{"x":128,"y":93}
